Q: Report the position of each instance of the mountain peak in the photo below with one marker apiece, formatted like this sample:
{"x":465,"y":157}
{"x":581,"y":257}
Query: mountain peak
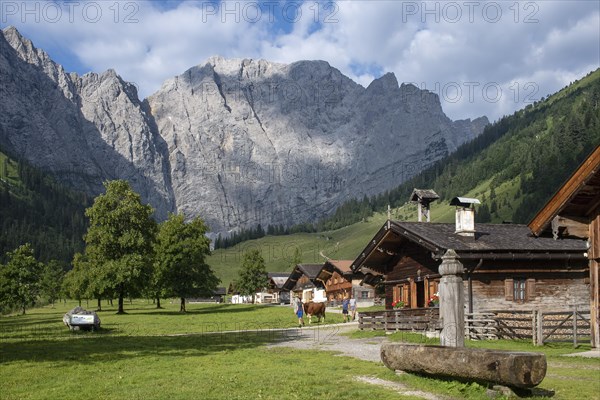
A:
{"x":16,"y":40}
{"x":239,"y":142}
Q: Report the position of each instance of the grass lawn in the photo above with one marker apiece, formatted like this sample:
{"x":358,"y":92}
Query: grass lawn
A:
{"x":161,"y":354}
{"x":142,"y":355}
{"x":567,"y":377}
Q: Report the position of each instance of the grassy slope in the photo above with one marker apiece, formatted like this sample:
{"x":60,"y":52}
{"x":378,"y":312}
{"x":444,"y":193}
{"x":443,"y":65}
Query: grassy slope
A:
{"x":278,"y":251}
{"x":8,"y":171}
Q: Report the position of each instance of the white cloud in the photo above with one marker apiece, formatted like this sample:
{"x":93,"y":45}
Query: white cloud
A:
{"x":441,"y":46}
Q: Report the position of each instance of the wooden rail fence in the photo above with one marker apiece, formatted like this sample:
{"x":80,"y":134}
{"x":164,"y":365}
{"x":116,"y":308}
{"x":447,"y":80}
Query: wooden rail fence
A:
{"x":538,"y":326}
{"x":416,"y":319}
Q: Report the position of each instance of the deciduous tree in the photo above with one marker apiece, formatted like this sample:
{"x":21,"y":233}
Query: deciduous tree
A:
{"x":253,"y":274}
{"x":51,"y":280}
{"x":180,"y":267}
{"x":20,"y":279}
{"x":119,"y":240}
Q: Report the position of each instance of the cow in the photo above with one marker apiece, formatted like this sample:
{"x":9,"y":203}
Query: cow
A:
{"x":316,"y":309}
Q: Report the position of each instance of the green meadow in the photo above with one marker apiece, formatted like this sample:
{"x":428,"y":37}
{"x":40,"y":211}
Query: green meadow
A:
{"x":220,"y":351}
{"x":162,"y":354}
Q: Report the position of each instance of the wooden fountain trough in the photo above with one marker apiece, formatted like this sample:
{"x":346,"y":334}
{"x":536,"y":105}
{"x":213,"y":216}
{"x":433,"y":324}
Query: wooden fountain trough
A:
{"x":508,"y":368}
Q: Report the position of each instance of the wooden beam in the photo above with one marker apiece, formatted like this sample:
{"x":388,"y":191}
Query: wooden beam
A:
{"x":594,"y":256}
{"x":565,"y":226}
{"x":554,"y":206}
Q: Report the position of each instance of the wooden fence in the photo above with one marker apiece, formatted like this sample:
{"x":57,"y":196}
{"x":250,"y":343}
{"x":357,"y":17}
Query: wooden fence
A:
{"x":538,"y":326}
{"x":418,"y":319}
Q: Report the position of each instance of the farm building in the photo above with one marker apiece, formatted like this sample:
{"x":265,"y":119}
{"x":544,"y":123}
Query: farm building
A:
{"x":506,"y":267}
{"x":274,"y":292}
{"x":340,"y":281}
{"x":303,"y":283}
{"x":574,"y":212}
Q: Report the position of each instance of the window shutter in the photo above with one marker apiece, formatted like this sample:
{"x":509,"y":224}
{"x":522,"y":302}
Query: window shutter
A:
{"x":413,"y":294}
{"x":508,"y":289}
{"x":530,"y":289}
{"x":396,"y":296}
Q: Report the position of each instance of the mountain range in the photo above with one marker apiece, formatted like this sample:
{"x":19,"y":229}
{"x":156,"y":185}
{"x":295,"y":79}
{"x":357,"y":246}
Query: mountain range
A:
{"x":238,"y":142}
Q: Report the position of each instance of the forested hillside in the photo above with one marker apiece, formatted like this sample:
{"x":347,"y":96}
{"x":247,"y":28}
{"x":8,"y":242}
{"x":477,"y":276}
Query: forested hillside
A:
{"x":514,"y":166}
{"x":35,"y":209}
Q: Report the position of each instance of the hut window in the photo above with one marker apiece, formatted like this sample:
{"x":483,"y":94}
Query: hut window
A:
{"x":519,"y":289}
{"x":364,"y":295}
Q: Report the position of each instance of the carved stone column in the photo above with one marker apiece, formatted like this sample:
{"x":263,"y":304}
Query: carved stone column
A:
{"x":452,"y":301}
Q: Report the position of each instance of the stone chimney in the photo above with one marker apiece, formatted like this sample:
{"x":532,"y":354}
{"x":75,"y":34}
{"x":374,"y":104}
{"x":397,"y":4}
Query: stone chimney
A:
{"x":465,"y":215}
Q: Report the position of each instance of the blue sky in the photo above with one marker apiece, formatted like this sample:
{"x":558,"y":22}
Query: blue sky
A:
{"x":481,"y":57}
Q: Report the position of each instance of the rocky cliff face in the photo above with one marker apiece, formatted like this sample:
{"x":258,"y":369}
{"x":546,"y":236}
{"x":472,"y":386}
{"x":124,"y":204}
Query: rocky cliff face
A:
{"x":83,"y":129}
{"x":239,"y":142}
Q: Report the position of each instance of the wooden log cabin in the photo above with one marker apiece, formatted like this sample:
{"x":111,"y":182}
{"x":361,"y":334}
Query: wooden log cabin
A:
{"x":574,"y":212}
{"x":303,"y":282}
{"x":340,"y":281}
{"x":506,"y":267}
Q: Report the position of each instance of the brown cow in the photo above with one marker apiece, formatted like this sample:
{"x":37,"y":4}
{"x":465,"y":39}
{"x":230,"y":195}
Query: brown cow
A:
{"x":316,"y":309}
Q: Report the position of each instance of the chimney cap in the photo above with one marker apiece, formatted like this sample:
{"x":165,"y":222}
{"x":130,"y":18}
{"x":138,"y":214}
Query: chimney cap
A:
{"x":463,"y":201}
{"x":423,"y":195}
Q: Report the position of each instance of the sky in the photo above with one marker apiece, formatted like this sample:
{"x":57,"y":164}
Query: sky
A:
{"x":481,"y":57}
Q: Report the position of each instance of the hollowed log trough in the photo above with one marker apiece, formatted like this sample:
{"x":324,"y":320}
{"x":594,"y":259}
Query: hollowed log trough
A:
{"x":508,"y":368}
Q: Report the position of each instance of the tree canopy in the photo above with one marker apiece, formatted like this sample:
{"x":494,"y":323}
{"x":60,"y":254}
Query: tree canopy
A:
{"x":180,"y":267}
{"x":253,"y":274}
{"x":19,"y":279}
{"x":119,"y":241}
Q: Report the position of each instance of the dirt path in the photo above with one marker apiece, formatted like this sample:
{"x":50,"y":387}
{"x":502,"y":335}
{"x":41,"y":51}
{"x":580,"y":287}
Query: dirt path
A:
{"x":330,"y":338}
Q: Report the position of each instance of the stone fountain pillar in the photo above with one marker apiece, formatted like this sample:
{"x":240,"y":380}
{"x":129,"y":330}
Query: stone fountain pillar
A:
{"x":452,"y":301}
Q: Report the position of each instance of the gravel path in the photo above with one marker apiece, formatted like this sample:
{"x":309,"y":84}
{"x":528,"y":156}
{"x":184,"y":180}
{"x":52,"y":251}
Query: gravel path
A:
{"x":330,"y":338}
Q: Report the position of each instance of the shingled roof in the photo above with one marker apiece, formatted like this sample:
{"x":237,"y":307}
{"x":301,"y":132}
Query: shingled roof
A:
{"x":488,"y":237}
{"x":278,"y":278}
{"x":490,"y":241}
{"x":311,"y":271}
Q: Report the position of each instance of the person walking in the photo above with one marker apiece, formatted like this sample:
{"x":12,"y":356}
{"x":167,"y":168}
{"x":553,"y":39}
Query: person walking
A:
{"x":345,"y":304}
{"x":299,"y":311}
{"x":352,"y":308}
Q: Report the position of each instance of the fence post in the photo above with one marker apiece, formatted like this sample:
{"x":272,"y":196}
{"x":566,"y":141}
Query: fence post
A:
{"x":575,"y":327}
{"x":385,"y":320}
{"x":534,"y":335}
{"x":540,"y":328}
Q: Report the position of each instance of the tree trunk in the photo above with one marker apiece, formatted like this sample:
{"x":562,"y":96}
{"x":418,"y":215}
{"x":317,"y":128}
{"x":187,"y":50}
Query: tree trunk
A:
{"x":182,"y":306}
{"x":158,"y":302}
{"x":120,"y":309}
{"x":23,"y":309}
{"x":99,"y":304}
{"x":79,"y":302}
{"x":111,"y":303}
